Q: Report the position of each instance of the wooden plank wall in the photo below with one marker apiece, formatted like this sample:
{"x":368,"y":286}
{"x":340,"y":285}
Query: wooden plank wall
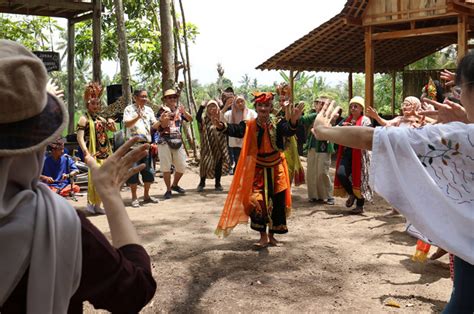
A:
{"x":413,"y":81}
{"x":391,"y":10}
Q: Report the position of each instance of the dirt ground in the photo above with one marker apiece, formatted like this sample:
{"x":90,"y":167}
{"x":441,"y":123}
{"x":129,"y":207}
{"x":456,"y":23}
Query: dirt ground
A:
{"x":328,"y":262}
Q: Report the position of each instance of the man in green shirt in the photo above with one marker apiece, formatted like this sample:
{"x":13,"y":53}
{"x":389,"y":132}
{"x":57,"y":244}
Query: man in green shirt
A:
{"x":320,"y":186}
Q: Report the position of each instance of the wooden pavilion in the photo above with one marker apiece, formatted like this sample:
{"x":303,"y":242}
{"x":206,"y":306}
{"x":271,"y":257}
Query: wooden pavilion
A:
{"x":74,"y":11}
{"x":380,"y":36}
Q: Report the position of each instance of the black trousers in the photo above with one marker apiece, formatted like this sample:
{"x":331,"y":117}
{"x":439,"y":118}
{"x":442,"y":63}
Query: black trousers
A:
{"x":217,"y":174}
{"x":344,"y":174}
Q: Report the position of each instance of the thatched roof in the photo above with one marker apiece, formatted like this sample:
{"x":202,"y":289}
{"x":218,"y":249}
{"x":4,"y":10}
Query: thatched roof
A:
{"x":53,"y":8}
{"x":338,"y":45}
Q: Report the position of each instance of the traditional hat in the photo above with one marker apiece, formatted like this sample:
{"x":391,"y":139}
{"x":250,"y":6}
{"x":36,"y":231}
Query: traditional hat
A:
{"x":30,"y":118}
{"x":262,"y":97}
{"x":169,"y":92}
{"x":358,"y":100}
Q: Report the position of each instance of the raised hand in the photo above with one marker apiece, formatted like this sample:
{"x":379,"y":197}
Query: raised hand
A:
{"x":325,"y":117}
{"x":109,"y":178}
{"x":111,"y":125}
{"x":448,"y":76}
{"x":52,"y":88}
{"x":371,"y":112}
{"x":296,"y":113}
{"x":218,"y":118}
{"x":165,"y":119}
{"x":446,"y":112}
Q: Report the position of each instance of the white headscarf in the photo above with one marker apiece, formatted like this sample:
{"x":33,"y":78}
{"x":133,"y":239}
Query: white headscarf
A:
{"x":39,"y":230}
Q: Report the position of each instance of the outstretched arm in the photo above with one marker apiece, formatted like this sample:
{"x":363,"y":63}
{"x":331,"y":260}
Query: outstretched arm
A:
{"x":108,"y":180}
{"x":349,"y":136}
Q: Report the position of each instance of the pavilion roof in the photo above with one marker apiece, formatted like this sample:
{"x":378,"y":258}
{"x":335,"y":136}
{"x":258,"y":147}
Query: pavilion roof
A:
{"x":53,"y":8}
{"x":338,"y":45}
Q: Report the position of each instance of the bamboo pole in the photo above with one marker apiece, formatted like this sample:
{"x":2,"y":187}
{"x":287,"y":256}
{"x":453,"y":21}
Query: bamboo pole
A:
{"x":186,"y":87}
{"x":70,"y":74}
{"x":188,"y":62}
{"x":123,"y":54}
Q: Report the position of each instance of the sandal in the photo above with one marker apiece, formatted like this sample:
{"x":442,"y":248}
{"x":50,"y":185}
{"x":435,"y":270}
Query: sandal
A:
{"x":350,"y":201}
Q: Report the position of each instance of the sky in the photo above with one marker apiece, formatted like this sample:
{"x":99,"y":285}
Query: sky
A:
{"x":242,"y":34}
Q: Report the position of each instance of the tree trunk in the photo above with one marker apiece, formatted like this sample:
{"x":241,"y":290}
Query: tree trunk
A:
{"x":167,"y":51}
{"x":96,"y":31}
{"x":188,"y":63}
{"x":191,"y":138}
{"x":123,"y":54}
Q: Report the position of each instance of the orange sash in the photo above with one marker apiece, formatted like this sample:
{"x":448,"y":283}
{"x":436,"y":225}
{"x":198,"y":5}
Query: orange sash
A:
{"x":239,"y":203}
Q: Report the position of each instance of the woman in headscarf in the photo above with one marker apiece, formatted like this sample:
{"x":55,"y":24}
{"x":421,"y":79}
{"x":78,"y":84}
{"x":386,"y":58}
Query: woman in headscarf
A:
{"x":238,"y":113}
{"x":53,"y":258}
{"x":92,"y":138}
{"x":295,"y":168}
{"x":352,"y":165}
{"x":215,"y":160}
{"x":261,"y":187}
{"x":411,"y":106}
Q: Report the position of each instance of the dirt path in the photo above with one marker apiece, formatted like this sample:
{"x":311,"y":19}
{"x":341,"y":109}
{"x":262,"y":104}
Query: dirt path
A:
{"x":328,"y":262}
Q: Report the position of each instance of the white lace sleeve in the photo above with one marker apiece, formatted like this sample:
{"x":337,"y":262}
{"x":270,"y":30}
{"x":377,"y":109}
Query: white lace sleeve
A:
{"x":428,"y":174}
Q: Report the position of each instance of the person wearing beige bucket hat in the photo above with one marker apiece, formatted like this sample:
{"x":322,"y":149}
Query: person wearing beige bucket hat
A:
{"x":45,"y":270}
{"x":170,"y":146}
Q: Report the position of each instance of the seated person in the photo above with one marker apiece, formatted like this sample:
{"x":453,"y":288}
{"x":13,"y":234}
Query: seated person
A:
{"x":58,"y":169}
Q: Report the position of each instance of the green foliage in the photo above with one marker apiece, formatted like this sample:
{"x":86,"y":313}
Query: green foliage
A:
{"x":383,"y":93}
{"x":445,"y":58}
{"x":35,"y":33}
{"x":143,"y":39}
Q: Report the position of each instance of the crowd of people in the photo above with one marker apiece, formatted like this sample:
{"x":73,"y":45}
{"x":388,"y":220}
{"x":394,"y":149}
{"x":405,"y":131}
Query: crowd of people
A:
{"x":54,"y":246}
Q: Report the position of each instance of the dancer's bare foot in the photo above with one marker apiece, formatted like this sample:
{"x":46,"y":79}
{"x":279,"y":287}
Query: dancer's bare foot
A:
{"x":263,"y":243}
{"x":272,"y":241}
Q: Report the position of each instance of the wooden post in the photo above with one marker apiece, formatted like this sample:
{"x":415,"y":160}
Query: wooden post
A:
{"x":462,"y":36}
{"x":70,"y":75}
{"x":167,"y":48}
{"x":369,"y":68}
{"x":394,"y":86}
{"x":123,"y":54}
{"x":292,"y":86}
{"x":350,"y":88}
{"x":96,"y":31}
